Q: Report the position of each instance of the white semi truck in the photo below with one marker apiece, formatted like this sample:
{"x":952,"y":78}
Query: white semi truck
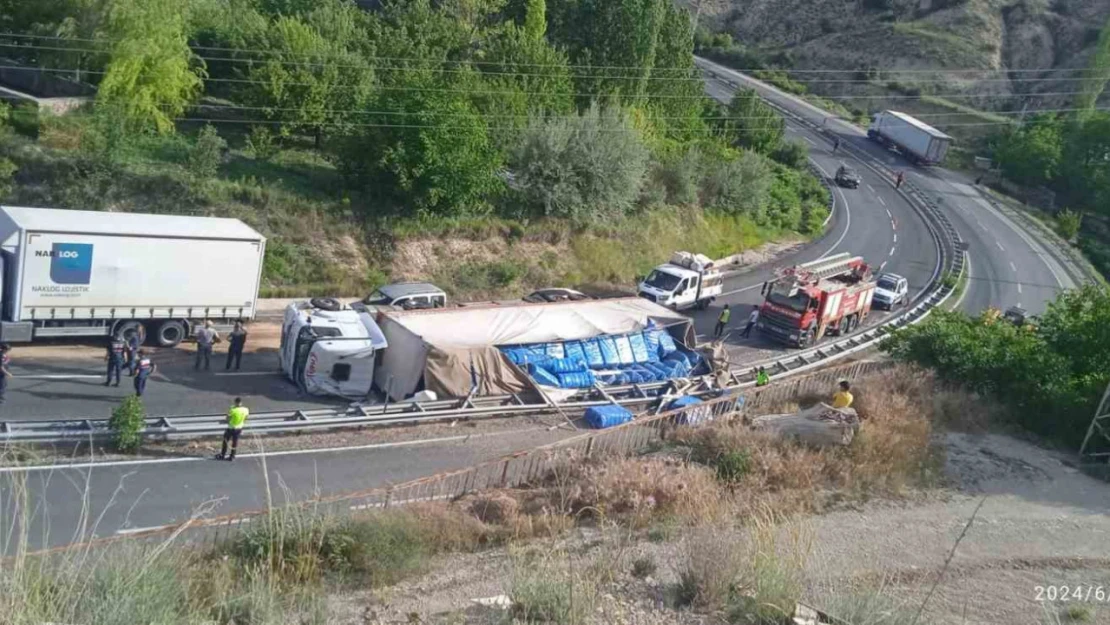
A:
{"x":916,"y":140}
{"x":70,"y":273}
{"x":687,"y":281}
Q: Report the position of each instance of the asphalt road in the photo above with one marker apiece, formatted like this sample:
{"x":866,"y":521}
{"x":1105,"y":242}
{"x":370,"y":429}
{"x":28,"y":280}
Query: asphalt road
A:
{"x":1008,"y":265}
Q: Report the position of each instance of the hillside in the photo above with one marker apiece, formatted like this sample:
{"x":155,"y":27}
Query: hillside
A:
{"x":999,"y":37}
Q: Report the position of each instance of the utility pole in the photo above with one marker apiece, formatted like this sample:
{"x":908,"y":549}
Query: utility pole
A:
{"x":1089,"y":453}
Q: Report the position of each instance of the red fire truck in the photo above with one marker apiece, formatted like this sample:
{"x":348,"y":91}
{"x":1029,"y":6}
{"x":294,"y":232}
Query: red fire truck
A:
{"x":807,"y":302}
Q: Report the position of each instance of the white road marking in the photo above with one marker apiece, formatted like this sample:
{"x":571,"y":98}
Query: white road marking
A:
{"x":892,"y":251}
{"x":61,"y":376}
{"x":881,"y":200}
{"x":268,"y":454}
{"x":811,"y":141}
{"x":889,"y":215}
{"x":871,"y":188}
{"x":747,"y":288}
{"x":882,"y":265}
{"x":1013,"y":266}
{"x":156,"y":528}
{"x":232,"y":373}
{"x":967,"y":287}
{"x":847,"y":214}
{"x":895,"y":238}
{"x":980,"y":223}
{"x":1019,"y":290}
{"x":1000,"y":246}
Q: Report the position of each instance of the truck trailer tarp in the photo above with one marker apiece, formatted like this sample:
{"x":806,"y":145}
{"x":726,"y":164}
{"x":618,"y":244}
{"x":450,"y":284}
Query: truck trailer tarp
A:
{"x":451,"y":350}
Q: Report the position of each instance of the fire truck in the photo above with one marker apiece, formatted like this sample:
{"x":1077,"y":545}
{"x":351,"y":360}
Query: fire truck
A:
{"x":807,"y":302}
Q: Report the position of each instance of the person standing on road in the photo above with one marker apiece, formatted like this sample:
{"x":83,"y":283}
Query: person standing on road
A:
{"x":752,"y":318}
{"x":899,"y":178}
{"x":132,"y":353}
{"x":722,"y":321}
{"x":143,"y":370}
{"x":843,"y":398}
{"x":236,"y":418}
{"x":115,"y":359}
{"x":206,"y":338}
{"x":5,"y":362}
{"x":235,"y":343}
{"x":836,"y":144}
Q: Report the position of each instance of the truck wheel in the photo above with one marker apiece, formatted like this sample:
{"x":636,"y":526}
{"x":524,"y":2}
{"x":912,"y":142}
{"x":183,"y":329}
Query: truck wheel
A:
{"x":126,"y":329}
{"x":808,"y":338}
{"x":702,"y":304}
{"x":170,"y":333}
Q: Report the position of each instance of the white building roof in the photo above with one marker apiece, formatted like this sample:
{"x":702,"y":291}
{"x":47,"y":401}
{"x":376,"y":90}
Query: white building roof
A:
{"x":127,"y":224}
{"x":917,"y":123}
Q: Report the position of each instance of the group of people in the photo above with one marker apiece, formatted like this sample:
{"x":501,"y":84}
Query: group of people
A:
{"x":726,"y":316}
{"x":128,"y":354}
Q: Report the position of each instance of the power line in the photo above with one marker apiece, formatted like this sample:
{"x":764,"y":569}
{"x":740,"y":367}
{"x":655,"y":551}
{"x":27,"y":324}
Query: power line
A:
{"x":572,"y":66}
{"x":247,"y":81}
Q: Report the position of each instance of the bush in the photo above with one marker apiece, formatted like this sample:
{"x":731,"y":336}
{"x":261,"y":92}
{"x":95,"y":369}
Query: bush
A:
{"x":1067,"y":224}
{"x":544,"y":590}
{"x":7,"y":174}
{"x":793,"y":154}
{"x":261,"y":143}
{"x":126,"y":422}
{"x":643,"y":567}
{"x":206,"y":153}
{"x":732,"y":466}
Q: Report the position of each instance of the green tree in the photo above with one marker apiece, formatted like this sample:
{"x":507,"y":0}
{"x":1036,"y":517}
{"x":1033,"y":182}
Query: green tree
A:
{"x":588,"y":168}
{"x":740,"y":186}
{"x":439,"y":160}
{"x":152,"y":75}
{"x":1031,"y":155}
{"x":535,"y":19}
{"x":1085,"y":166}
{"x":1098,"y":74}
{"x":206,"y":153}
{"x":675,"y":87}
{"x":315,"y":76}
{"x":523,"y":76}
{"x":752,"y":123}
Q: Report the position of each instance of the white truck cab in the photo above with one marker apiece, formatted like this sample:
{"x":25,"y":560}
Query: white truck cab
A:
{"x":687,"y":281}
{"x":891,"y":290}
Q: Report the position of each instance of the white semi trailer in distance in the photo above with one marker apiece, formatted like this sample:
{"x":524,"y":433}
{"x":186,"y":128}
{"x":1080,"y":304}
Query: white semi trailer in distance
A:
{"x":88,"y":273}
{"x":916,"y":140}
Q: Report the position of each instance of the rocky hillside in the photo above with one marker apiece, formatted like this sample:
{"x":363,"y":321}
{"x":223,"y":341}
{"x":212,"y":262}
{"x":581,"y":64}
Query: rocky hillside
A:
{"x":995,"y":36}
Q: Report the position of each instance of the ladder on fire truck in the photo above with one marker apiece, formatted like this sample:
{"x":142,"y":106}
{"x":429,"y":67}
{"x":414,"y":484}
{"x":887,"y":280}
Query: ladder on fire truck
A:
{"x":815,"y":271}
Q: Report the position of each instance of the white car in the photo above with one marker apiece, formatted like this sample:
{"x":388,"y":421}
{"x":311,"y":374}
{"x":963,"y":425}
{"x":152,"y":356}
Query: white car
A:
{"x":890,"y":290}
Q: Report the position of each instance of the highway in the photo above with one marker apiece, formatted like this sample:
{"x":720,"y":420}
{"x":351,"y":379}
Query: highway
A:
{"x":1008,"y":267}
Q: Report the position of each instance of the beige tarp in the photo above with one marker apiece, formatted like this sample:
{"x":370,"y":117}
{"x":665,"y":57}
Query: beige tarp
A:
{"x":442,"y":345}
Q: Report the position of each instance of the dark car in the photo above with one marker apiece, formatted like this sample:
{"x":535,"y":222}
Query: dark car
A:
{"x":847,"y":177}
{"x":556,"y":295}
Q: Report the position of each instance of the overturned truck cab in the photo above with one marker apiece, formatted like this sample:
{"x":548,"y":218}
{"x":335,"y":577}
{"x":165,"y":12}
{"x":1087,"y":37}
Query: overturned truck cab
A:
{"x":327,"y":348}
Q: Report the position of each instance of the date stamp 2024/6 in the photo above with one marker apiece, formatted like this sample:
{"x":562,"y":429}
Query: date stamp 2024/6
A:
{"x":1080,"y":593}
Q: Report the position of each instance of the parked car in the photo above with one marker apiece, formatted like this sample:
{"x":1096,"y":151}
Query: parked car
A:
{"x":556,"y":295}
{"x":404,"y":295}
{"x":847,"y":177}
{"x":891,"y":290}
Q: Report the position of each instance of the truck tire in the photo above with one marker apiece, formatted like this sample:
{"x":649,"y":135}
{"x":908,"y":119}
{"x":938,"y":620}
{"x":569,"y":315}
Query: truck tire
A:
{"x":326,"y":303}
{"x":170,"y":333}
{"x":125,"y":329}
{"x":808,"y":338}
{"x":702,"y":304}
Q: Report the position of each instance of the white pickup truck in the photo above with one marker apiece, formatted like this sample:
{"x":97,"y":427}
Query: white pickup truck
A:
{"x":687,"y":281}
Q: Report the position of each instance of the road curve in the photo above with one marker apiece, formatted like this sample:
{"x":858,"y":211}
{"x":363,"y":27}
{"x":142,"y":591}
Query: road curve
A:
{"x":1008,"y":265}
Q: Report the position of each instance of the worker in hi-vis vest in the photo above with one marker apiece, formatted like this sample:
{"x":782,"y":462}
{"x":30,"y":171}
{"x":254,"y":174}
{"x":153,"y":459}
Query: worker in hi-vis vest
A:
{"x":236,"y":419}
{"x":722,"y":321}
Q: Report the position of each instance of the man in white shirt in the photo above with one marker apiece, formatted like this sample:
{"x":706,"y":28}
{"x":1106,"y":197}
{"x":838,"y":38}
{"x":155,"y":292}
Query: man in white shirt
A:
{"x":752,"y":318}
{"x":206,"y":338}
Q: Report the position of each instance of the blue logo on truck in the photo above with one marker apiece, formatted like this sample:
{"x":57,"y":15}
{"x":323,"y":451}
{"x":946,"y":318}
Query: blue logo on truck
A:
{"x":71,"y":263}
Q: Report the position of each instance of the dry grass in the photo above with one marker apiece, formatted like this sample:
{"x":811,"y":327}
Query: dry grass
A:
{"x":893,"y":453}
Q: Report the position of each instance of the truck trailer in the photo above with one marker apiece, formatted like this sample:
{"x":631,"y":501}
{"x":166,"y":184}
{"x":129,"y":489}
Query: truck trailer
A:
{"x":71,"y":273}
{"x":807,"y":302}
{"x":916,"y":140}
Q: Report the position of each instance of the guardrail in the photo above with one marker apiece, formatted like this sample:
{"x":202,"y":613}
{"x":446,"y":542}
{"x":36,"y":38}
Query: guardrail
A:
{"x":525,"y":467}
{"x":951,"y":260}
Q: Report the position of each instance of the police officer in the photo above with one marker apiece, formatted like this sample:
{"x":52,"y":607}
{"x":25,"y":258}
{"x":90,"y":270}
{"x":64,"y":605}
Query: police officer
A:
{"x":236,"y":341}
{"x":132,"y":353}
{"x":143,"y":370}
{"x":115,"y":359}
{"x":236,"y":418}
